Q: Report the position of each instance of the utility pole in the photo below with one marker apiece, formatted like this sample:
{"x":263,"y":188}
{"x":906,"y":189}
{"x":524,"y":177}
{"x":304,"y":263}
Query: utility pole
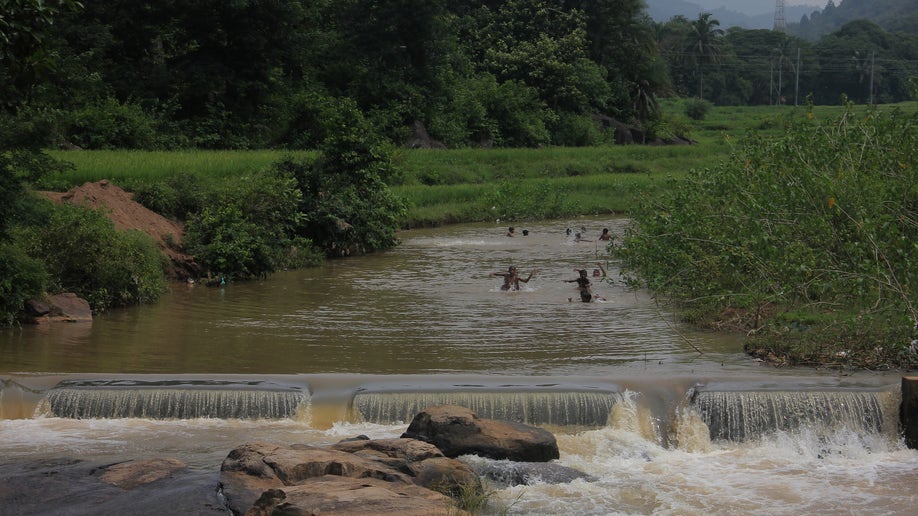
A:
{"x":872,"y":55}
{"x":797,"y":77}
{"x":780,"y":21}
{"x":771,"y":84}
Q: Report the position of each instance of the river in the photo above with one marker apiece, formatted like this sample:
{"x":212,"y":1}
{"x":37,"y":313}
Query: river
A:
{"x":670,"y":420}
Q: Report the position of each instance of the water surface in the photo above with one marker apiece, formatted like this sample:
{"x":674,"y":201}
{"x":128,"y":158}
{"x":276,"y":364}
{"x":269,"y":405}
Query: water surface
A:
{"x":424,"y":320}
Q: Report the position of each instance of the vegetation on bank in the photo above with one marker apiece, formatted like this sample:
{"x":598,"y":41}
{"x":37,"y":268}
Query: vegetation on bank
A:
{"x":807,"y":240}
{"x":818,"y":267}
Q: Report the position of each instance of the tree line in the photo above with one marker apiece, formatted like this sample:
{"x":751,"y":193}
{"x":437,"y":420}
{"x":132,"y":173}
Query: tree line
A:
{"x":513,"y":73}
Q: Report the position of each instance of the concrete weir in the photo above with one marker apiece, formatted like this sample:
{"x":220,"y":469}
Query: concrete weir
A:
{"x":730,"y":409}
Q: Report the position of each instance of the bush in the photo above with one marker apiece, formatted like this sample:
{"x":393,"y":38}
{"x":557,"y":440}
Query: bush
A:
{"x":248,"y":230}
{"x":346,"y":205}
{"x":824,"y":217}
{"x":21,"y":277}
{"x":111,"y":125}
{"x":179,"y":197}
{"x":576,"y":131}
{"x":84,"y":253}
{"x":697,"y":109}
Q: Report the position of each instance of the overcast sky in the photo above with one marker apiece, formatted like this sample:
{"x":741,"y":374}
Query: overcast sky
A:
{"x":756,"y":6}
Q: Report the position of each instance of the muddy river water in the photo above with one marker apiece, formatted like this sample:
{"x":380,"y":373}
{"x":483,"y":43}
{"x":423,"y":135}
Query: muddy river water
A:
{"x":668,"y":419}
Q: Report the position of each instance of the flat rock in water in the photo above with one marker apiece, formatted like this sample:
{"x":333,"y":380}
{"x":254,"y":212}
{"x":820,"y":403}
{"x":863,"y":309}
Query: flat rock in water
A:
{"x":71,"y":487}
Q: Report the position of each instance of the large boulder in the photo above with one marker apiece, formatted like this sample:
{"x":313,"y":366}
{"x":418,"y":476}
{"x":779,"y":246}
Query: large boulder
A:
{"x":67,"y":307}
{"x":74,"y":487}
{"x":459,"y":431}
{"x":332,"y":494}
{"x":387,"y":476}
{"x":423,"y":462}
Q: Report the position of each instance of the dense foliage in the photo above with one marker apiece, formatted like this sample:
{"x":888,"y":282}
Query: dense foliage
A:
{"x":892,"y":15}
{"x":859,"y":60}
{"x":512,"y":73}
{"x":300,"y":211}
{"x":246,"y":74}
{"x":823,"y":219}
{"x":81,"y":252}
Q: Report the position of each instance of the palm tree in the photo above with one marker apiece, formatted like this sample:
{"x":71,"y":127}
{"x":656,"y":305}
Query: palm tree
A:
{"x":703,"y":44}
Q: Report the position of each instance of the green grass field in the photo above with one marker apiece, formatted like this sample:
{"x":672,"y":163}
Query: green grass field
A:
{"x":443,"y":186}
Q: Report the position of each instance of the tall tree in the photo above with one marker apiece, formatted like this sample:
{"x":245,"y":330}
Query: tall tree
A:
{"x":621,"y":39}
{"x":24,"y":28}
{"x":704,"y":45}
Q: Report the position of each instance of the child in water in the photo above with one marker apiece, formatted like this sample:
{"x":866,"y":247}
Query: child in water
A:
{"x":512,"y":278}
{"x":585,"y":286}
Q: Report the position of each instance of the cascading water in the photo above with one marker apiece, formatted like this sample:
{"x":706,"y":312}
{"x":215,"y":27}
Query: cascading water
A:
{"x":165,"y":400}
{"x":579,"y":409}
{"x":738,"y":416}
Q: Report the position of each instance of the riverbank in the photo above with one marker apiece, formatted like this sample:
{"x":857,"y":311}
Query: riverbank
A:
{"x":516,"y":186}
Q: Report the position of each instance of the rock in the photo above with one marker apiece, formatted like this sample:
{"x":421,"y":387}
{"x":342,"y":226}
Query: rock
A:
{"x":424,"y":462}
{"x":344,"y":495}
{"x":385,"y":476}
{"x":459,"y":431}
{"x":76,"y":488}
{"x":61,"y":307}
{"x":128,"y":475}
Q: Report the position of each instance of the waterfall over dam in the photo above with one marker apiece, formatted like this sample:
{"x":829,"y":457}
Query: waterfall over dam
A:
{"x":120,"y":399}
{"x":728,"y":411}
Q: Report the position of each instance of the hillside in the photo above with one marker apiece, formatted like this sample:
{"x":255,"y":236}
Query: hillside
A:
{"x":748,"y":15}
{"x":891,"y":15}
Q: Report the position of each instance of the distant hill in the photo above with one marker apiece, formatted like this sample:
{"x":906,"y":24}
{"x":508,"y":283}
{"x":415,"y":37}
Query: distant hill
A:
{"x":891,"y":15}
{"x":747,"y":14}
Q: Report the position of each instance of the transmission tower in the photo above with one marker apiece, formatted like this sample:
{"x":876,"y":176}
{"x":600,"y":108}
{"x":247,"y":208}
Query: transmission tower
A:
{"x":780,"y":21}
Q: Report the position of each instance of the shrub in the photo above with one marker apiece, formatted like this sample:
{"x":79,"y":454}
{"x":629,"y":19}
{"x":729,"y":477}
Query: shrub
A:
{"x":21,"y":277}
{"x":249,"y":229}
{"x":178,"y":197}
{"x":346,"y":205}
{"x":84,"y":253}
{"x":576,"y":131}
{"x":823,"y":217}
{"x":697,"y":109}
{"x":111,"y":125}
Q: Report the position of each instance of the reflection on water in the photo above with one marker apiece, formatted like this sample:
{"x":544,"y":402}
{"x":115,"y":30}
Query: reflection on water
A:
{"x":372,"y":334}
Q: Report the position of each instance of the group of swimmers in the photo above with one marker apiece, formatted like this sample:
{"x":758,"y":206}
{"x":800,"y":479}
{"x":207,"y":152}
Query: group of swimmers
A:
{"x":512,"y":278}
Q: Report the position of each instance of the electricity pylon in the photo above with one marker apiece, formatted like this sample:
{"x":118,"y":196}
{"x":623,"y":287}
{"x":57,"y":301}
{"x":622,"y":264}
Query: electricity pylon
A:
{"x":780,"y":21}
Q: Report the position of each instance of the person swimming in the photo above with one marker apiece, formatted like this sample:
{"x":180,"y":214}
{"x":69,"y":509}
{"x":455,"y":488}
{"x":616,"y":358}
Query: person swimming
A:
{"x":605,"y":234}
{"x":583,"y":285}
{"x":512,"y":278}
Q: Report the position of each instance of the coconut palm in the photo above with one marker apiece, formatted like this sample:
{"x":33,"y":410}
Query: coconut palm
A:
{"x":703,"y":44}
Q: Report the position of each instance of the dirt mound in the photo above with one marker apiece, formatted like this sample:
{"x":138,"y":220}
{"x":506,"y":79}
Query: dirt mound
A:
{"x":129,"y":214}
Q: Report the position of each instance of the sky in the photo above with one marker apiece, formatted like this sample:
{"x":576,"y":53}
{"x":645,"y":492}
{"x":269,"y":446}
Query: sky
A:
{"x":756,"y":6}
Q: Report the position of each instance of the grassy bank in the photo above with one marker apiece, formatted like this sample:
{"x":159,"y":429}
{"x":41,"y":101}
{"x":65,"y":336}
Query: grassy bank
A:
{"x":448,"y":186}
{"x":766,"y":277}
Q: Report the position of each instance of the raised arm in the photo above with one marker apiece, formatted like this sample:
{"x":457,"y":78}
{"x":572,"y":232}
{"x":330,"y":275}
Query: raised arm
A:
{"x":531,"y":274}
